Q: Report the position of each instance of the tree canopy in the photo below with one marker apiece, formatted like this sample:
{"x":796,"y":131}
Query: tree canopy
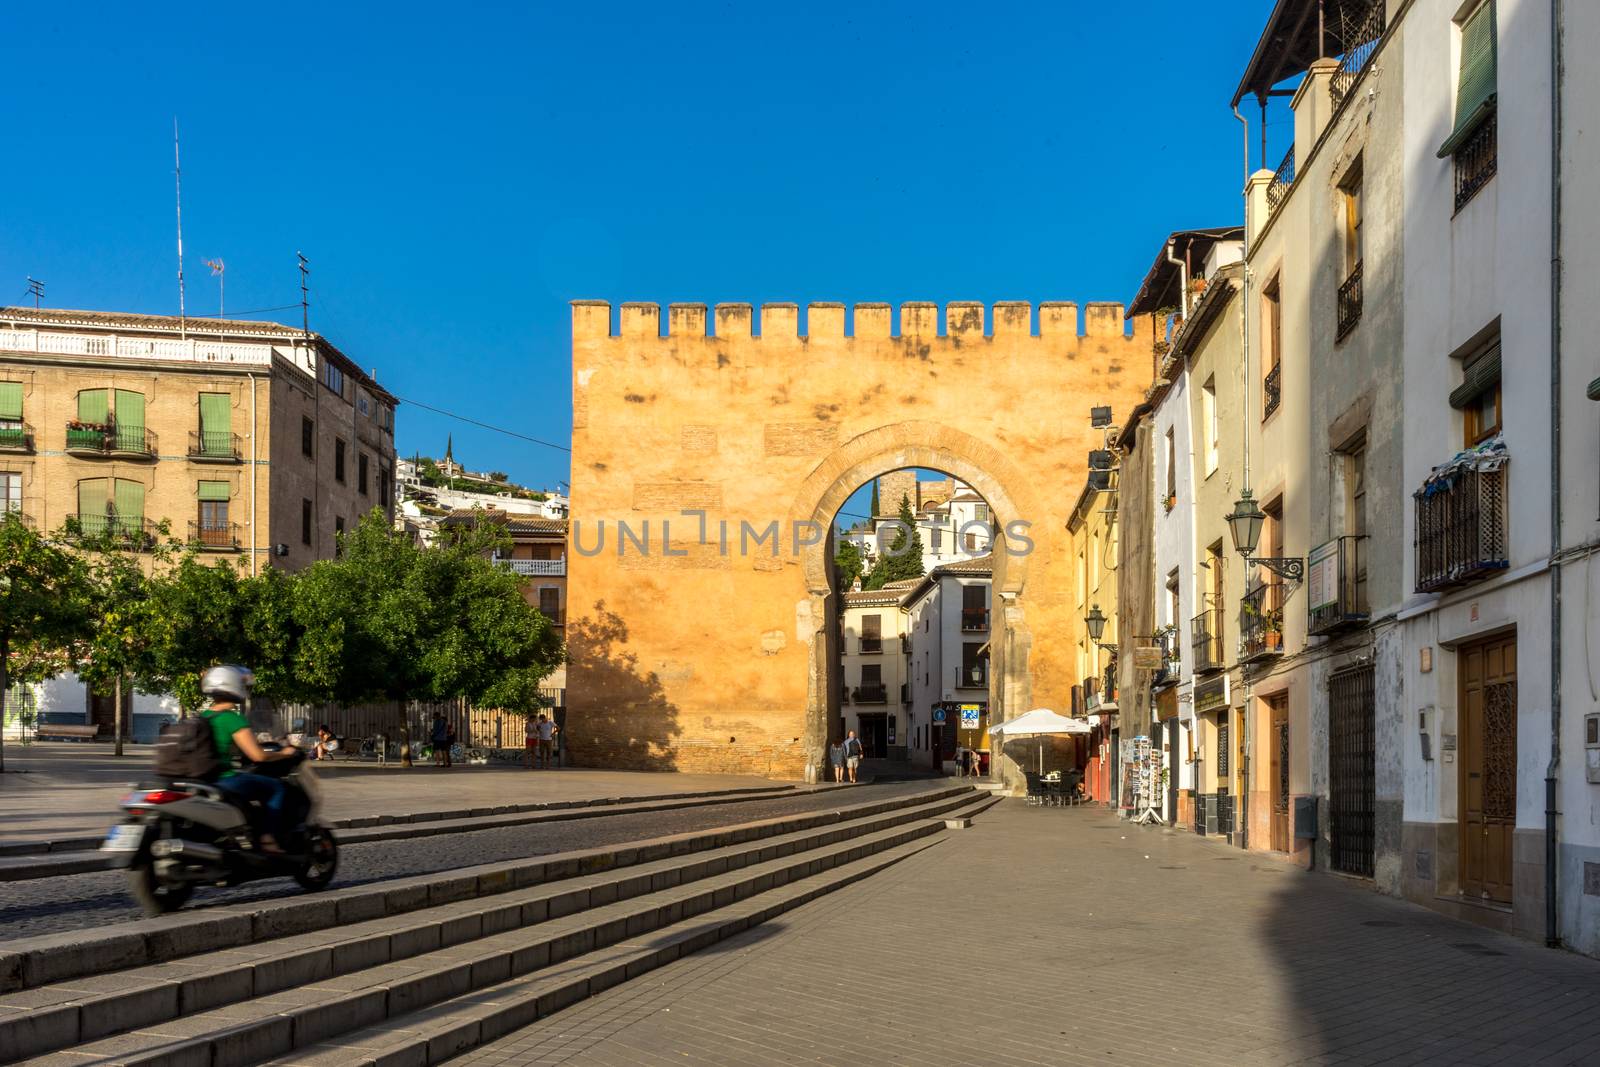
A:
{"x":903,"y":559}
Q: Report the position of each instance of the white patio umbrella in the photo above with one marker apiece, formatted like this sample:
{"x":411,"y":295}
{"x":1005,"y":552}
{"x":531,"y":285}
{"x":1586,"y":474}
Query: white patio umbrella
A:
{"x":1038,"y":723}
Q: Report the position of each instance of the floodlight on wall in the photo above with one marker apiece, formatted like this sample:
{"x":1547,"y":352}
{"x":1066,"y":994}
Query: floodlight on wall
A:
{"x":1100,"y":417}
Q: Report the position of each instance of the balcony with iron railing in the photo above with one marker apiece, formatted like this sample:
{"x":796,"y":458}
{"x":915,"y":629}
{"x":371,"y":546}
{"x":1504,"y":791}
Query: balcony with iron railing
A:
{"x":1108,"y":686}
{"x":1261,"y":623}
{"x":1206,"y":640}
{"x":1461,"y":528}
{"x":1271,"y":391}
{"x":1170,"y":670}
{"x":871,"y":646}
{"x":132,"y":532}
{"x":16,"y":436}
{"x":871,"y":694}
{"x":1349,"y":304}
{"x":214,"y":446}
{"x":974,"y":619}
{"x":1361,"y":31}
{"x":1337,"y":585}
{"x":213,"y":536}
{"x":1282,"y":180}
{"x":1477,"y":159}
{"x":109,"y":439}
{"x":973,"y":677}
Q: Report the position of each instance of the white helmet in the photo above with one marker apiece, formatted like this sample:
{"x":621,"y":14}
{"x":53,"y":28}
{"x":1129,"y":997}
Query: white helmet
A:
{"x":227,"y":681}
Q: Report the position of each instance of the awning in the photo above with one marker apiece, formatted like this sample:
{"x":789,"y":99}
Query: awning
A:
{"x":1039,"y":722}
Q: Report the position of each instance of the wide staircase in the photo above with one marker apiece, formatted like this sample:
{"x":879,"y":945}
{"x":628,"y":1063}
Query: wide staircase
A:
{"x":421,"y":969}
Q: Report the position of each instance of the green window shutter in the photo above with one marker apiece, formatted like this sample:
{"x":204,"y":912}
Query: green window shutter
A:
{"x":216,"y":413}
{"x":10,"y":400}
{"x":129,"y":499}
{"x":1475,"y":90}
{"x":215,"y":491}
{"x":92,"y":498}
{"x":93,"y":405}
{"x":130,"y":409}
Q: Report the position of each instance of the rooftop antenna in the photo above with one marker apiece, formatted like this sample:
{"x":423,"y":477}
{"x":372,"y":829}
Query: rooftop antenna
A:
{"x":305,"y":297}
{"x":217,"y":267}
{"x":36,"y":289}
{"x":177,"y":178}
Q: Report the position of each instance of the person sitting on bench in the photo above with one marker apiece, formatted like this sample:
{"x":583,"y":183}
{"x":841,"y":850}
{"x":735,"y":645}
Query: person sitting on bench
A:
{"x":327,"y":744}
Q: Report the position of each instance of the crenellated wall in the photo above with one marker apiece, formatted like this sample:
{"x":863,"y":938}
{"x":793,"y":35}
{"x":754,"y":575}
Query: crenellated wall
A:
{"x":716,"y":655}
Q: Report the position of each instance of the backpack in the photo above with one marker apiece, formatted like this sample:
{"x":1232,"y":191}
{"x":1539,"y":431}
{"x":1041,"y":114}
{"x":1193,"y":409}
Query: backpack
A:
{"x":187,"y":749}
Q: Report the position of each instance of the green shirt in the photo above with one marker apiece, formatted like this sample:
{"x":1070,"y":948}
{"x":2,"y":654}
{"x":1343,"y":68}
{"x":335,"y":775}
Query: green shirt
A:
{"x":224,"y":724}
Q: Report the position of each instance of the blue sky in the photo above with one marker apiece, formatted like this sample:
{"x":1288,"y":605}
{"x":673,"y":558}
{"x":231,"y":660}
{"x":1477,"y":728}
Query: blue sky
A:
{"x":457,"y":174}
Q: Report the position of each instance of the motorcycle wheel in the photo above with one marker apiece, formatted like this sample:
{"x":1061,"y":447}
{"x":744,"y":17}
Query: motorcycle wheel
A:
{"x":155,"y":896}
{"x":322,"y":859}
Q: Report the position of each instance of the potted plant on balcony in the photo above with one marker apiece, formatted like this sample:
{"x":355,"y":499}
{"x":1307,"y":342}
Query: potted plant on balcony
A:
{"x":1169,"y":502}
{"x":1272,"y":628}
{"x":87,"y":434}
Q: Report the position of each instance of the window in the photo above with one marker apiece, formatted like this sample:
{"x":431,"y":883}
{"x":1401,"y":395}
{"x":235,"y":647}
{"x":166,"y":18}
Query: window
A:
{"x":1272,"y":542}
{"x":332,"y":376}
{"x":1174,"y":599}
{"x":1208,"y":422}
{"x":1171,"y":498}
{"x":1349,"y":295}
{"x":1272,"y":343}
{"x":969,"y":542}
{"x":1083,"y":576}
{"x":10,"y":492}
{"x":550,"y":603}
{"x":11,"y":432}
{"x":216,"y":425}
{"x":338,"y":459}
{"x":308,"y":437}
{"x":871,"y":633}
{"x":213,"y":528}
{"x":871,"y":675}
{"x":1478,"y":395}
{"x":363,"y":402}
{"x":1355,"y":515}
{"x":338,"y":524}
{"x":1472,"y":144}
{"x":974,"y":669}
{"x":305,"y":522}
{"x":383,"y":485}
{"x":361,"y":473}
{"x":981,"y":511}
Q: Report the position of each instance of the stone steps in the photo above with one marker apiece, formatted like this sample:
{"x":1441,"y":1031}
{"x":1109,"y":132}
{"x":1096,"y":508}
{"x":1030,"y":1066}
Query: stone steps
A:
{"x":308,"y":987}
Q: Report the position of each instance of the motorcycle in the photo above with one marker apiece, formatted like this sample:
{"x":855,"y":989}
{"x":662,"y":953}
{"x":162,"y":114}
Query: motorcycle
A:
{"x":177,"y":835}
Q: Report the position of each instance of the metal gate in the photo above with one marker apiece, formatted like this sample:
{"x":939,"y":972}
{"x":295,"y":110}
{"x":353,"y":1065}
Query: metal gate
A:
{"x":1351,"y":745}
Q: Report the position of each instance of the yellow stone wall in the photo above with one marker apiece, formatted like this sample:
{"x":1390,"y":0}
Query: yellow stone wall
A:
{"x":713,"y":660}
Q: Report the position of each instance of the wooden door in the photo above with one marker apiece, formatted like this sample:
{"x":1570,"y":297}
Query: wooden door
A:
{"x":1279,"y":783}
{"x":1488,"y":766}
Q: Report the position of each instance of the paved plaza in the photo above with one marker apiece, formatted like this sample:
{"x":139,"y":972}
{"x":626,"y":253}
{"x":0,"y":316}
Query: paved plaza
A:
{"x":1065,"y":937}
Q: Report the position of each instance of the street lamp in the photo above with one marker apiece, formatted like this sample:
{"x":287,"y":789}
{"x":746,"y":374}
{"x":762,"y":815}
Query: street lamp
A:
{"x":1244,"y":523}
{"x":1096,"y":623}
{"x":977,"y":674}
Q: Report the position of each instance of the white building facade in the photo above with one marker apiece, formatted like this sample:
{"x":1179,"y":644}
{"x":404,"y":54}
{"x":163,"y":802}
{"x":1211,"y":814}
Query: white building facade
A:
{"x":947,"y":628}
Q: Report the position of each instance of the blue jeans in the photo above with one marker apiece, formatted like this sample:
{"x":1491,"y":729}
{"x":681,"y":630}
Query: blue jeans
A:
{"x":270,"y":793}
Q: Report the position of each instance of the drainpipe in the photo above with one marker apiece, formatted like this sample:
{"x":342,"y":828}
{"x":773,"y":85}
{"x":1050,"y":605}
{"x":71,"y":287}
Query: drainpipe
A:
{"x":1552,"y":933}
{"x":1183,"y":274}
{"x":1244,"y":372}
{"x":255,"y":438}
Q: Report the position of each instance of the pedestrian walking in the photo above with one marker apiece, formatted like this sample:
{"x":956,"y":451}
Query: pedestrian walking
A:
{"x":546,"y":728}
{"x":836,"y":757}
{"x":852,"y":755}
{"x":438,"y":736}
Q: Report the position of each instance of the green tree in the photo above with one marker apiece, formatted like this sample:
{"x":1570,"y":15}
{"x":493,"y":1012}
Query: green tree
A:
{"x":904,"y":557}
{"x":43,"y":599}
{"x":198,"y":619}
{"x":848,"y":564}
{"x":122,"y":627}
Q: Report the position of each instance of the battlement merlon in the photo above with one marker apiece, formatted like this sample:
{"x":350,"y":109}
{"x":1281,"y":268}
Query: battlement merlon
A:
{"x":963,"y":319}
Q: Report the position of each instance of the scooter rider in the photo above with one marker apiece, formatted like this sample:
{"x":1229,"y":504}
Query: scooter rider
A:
{"x":229,"y":687}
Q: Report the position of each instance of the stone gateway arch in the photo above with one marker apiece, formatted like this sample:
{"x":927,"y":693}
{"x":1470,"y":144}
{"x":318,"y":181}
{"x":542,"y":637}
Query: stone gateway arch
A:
{"x":708,"y":466}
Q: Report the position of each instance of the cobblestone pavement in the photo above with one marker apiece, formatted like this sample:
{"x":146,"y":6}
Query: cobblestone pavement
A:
{"x":80,"y":901}
{"x":1064,"y":937}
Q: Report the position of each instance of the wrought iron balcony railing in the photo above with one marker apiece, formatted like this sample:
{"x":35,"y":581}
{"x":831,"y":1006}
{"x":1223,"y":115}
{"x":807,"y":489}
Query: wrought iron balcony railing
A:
{"x":216,"y":445}
{"x":1362,"y":31}
{"x":871,"y":694}
{"x":1271,"y":390}
{"x":121,"y":531}
{"x":1477,"y":159}
{"x":974,"y":618}
{"x":16,"y":437}
{"x":1171,"y":667}
{"x":1261,"y":623}
{"x":1336,"y":595}
{"x":1282,"y":179}
{"x":1461,"y":529}
{"x":214,"y":536}
{"x":110,"y":439}
{"x":1206,"y":630}
{"x":1349,"y":303}
{"x":871,"y":646}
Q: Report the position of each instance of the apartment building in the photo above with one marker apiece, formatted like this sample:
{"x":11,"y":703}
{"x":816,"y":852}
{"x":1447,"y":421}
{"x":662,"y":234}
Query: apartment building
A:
{"x":874,"y":655}
{"x":947,"y":634}
{"x":1095,"y":532}
{"x":251,"y":441}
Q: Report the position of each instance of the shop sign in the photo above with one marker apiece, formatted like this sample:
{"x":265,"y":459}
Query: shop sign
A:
{"x":1322,"y":576}
{"x":1147,"y":657}
{"x":1211,"y":693}
{"x":969,"y":716}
